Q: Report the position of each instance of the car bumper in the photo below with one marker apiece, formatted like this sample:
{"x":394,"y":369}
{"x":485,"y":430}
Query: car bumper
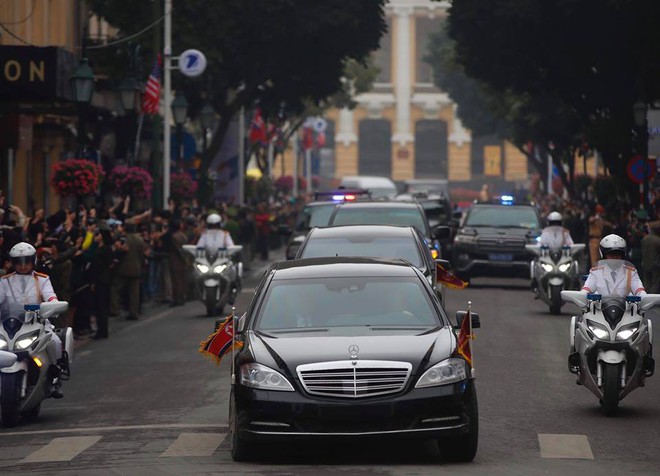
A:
{"x":419,"y":413}
{"x":478,"y":264}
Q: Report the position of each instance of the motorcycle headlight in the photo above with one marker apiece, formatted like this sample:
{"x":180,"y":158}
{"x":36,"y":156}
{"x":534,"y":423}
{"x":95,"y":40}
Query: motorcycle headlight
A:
{"x":259,"y":376}
{"x":445,"y":372}
{"x":220,"y":268}
{"x":598,"y":330}
{"x":564,"y":267}
{"x":3,"y":343}
{"x":26,"y":341}
{"x":202,"y":268}
{"x":627,"y":331}
{"x":547,"y":267}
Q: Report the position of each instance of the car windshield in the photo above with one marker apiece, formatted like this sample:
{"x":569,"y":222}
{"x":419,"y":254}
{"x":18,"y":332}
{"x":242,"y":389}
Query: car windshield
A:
{"x":369,"y":246}
{"x":318,"y":215}
{"x":502,"y":217}
{"x":357,"y":302}
{"x":350,"y":215}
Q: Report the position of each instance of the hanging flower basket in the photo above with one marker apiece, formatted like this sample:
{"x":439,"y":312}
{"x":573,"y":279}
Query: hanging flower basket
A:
{"x":76,"y":178}
{"x":182,"y":186}
{"x":133,"y":181}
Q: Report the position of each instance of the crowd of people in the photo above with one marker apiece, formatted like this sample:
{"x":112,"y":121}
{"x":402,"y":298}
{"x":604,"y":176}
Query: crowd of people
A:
{"x":111,"y":260}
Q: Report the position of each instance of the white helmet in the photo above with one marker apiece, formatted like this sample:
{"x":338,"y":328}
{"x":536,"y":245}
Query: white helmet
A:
{"x":612,"y":243}
{"x":555,"y":218}
{"x":213,"y":221}
{"x":23,"y":253}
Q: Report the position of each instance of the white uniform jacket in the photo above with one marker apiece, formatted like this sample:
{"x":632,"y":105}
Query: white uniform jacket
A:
{"x":32,"y":288}
{"x":624,"y":282}
{"x":555,"y":237}
{"x":215,"y":239}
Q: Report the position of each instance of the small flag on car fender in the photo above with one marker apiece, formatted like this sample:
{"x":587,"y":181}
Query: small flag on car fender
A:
{"x":464,"y":337}
{"x":220,"y":342}
{"x":448,"y":279}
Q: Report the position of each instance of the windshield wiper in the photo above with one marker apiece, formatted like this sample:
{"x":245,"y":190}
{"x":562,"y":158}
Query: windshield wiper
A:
{"x":300,"y":329}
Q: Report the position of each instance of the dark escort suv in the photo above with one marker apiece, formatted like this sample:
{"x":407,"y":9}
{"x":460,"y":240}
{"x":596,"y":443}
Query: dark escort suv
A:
{"x":491,"y":239}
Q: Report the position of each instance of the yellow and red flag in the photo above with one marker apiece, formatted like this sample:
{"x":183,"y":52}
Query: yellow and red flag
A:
{"x":448,"y":279}
{"x":464,"y":337}
{"x":221,"y":341}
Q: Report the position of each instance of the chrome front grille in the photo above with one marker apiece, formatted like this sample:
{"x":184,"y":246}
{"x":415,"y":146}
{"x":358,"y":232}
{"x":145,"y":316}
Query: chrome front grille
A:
{"x":501,"y":245}
{"x":354,"y":378}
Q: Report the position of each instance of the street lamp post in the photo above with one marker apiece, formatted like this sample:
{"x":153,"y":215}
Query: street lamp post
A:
{"x":206,"y":120}
{"x":179,"y":111}
{"x":82,"y":85}
{"x":639,"y":116}
{"x":130,"y":91}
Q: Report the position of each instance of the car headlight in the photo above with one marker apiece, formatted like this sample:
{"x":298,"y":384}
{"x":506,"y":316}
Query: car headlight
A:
{"x":259,"y":376}
{"x":26,"y":341}
{"x":627,"y":331}
{"x":564,"y":267}
{"x":202,"y":268}
{"x":220,"y":268}
{"x":547,"y":267}
{"x":3,"y":343}
{"x":445,"y":372}
{"x":598,"y":330}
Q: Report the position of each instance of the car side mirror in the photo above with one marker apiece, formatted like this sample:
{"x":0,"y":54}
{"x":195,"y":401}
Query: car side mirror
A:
{"x":441,"y":232}
{"x":51,"y":308}
{"x":442,"y":262}
{"x":7,"y":359}
{"x":283,"y":229}
{"x":460,"y":315}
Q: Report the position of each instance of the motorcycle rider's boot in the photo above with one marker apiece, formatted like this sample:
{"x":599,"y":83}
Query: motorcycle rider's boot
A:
{"x":649,"y":365}
{"x":54,"y":372}
{"x":574,"y":362}
{"x":535,"y":288}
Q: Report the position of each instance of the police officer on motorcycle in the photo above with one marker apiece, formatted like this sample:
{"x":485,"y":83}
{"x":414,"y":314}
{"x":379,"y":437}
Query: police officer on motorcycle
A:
{"x":214,"y":236}
{"x":26,"y":286}
{"x":554,"y":235}
{"x":614,"y":277}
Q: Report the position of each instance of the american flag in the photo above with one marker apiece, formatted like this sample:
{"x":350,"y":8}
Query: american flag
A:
{"x":151,"y":99}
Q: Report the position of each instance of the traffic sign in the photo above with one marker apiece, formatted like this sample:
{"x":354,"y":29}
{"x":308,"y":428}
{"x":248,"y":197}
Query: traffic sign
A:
{"x":636,"y":169}
{"x":192,"y":63}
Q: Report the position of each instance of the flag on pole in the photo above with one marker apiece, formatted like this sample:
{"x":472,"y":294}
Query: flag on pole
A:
{"x":308,"y":138}
{"x":151,"y":99}
{"x":448,"y":279}
{"x":258,"y":131}
{"x":465,"y":336}
{"x":220,"y":342}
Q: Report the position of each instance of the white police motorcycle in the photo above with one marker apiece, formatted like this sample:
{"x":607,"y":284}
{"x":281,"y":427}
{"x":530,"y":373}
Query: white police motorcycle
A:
{"x":611,"y":343}
{"x":553,"y":271}
{"x":27,"y":368}
{"x":217,"y":274}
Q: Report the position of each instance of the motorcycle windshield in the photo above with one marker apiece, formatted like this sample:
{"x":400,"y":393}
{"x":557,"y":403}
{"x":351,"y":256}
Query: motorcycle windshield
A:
{"x":613,"y":308}
{"x":12,"y":311}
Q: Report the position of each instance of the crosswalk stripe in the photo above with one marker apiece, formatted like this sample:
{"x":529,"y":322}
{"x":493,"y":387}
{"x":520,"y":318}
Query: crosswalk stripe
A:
{"x":194,"y":444}
{"x":565,"y":446}
{"x":62,"y":449}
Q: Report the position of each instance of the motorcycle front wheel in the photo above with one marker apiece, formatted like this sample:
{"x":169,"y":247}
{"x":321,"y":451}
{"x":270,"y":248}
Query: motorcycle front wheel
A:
{"x":555,"y":299}
{"x":611,"y":386}
{"x":10,"y":399}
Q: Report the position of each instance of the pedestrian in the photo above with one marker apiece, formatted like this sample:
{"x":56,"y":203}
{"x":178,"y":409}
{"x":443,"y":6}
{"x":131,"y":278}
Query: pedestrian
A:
{"x":129,"y":270}
{"x":262,"y":222}
{"x":179,"y":263}
{"x":102,"y":264}
{"x":651,"y":258}
{"x":596,"y":225}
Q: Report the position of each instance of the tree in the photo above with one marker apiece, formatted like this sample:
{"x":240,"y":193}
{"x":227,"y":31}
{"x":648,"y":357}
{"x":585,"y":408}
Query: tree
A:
{"x":284,"y":54}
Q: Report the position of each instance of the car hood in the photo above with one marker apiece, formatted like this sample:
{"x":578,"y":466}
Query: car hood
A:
{"x":286,"y":352}
{"x":487,"y":231}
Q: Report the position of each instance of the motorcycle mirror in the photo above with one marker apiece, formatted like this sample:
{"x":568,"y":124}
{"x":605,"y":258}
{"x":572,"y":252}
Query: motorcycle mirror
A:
{"x":7,"y":359}
{"x":51,"y":308}
{"x":649,"y":301}
{"x":576,"y":297}
{"x":460,"y":315}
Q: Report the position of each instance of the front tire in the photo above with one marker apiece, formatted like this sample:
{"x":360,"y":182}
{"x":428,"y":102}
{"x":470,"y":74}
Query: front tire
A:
{"x":211,"y":302}
{"x":463,"y":448}
{"x":239,"y":448}
{"x":555,"y":299}
{"x":10,"y":399}
{"x":611,"y":377}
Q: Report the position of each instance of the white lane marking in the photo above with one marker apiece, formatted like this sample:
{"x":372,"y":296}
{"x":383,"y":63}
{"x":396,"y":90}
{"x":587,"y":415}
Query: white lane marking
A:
{"x":62,"y":449}
{"x":194,"y":444}
{"x":115,"y":428}
{"x":565,"y":446}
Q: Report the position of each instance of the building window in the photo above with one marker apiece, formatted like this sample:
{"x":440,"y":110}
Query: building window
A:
{"x":383,"y":56}
{"x":375,"y":147}
{"x":424,"y":28}
{"x":326,"y":154}
{"x":486,"y":156}
{"x":431,"y":149}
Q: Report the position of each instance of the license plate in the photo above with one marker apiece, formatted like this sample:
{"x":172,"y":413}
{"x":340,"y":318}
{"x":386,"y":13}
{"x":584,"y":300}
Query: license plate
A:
{"x":500,"y":257}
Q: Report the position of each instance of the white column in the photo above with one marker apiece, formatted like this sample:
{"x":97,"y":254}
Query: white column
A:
{"x":404,"y":63}
{"x":167,"y":100}
{"x":241,"y":157}
{"x":346,"y":133}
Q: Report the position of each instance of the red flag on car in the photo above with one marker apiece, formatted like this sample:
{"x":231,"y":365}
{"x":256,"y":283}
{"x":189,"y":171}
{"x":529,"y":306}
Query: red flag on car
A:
{"x":448,"y":279}
{"x":464,"y":337}
{"x":220,"y":342}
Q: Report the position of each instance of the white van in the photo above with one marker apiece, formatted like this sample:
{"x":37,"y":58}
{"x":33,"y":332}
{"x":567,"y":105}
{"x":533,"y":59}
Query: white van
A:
{"x":380,"y":187}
